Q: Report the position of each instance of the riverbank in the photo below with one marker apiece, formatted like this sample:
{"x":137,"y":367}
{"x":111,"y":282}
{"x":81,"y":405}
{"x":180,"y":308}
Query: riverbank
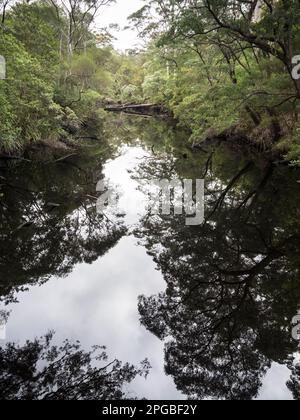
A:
{"x":272,"y":138}
{"x":271,"y":135}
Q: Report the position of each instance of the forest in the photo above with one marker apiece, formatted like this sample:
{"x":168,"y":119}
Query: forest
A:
{"x":59,"y":71}
{"x":224,"y":69}
{"x":123,"y":303}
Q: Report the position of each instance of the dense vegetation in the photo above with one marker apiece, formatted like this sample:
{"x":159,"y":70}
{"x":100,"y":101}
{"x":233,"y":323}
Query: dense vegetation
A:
{"x":59,"y":71}
{"x":225,"y":68}
{"x":68,"y":372}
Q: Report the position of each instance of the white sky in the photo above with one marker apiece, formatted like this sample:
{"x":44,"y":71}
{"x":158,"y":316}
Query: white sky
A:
{"x":118,"y":13}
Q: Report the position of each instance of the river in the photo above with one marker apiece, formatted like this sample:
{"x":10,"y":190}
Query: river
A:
{"x":210,"y":306}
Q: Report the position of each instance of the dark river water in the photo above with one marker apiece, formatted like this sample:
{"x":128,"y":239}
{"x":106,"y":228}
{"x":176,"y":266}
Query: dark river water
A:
{"x":210,"y":306}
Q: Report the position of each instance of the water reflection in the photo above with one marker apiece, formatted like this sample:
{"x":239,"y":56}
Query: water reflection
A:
{"x":42,"y":371}
{"x":232,"y":283}
{"x":48,"y":222}
{"x":216,"y":301}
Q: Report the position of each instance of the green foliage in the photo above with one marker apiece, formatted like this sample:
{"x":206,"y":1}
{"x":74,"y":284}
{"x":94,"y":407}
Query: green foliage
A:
{"x":58,"y":73}
{"x":294,"y":152}
{"x":26,"y":98}
{"x":128,"y":79}
{"x":215,"y":65}
{"x":35,"y":27}
{"x":218,"y":65}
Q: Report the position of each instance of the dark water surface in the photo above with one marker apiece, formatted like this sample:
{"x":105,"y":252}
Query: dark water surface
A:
{"x":210,"y":306}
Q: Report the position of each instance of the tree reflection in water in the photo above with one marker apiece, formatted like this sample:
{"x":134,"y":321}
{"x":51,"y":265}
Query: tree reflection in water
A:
{"x":42,"y":371}
{"x":294,"y":382}
{"x":49,"y":223}
{"x":233,"y":283}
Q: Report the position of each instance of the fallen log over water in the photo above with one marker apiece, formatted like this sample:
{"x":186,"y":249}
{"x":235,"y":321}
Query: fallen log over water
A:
{"x":140,"y":109}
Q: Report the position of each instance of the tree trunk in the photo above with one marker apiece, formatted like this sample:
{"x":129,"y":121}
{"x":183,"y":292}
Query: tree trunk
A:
{"x":257,"y":15}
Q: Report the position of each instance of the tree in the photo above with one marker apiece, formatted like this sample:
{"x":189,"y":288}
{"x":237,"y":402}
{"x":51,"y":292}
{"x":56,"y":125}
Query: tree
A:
{"x":79,"y":15}
{"x":231,"y":284}
{"x":225,"y":67}
{"x":49,"y":223}
{"x":294,"y":382}
{"x":42,"y":371}
{"x":4,"y":5}
{"x":234,"y":26}
{"x":58,"y":71}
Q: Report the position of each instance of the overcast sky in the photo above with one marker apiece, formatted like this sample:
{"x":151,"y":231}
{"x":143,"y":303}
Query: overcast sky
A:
{"x":118,"y":13}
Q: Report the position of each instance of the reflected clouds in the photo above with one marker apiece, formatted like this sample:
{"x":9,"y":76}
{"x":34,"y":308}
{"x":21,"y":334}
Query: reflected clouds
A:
{"x":98,"y":304}
{"x":218,"y":296}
